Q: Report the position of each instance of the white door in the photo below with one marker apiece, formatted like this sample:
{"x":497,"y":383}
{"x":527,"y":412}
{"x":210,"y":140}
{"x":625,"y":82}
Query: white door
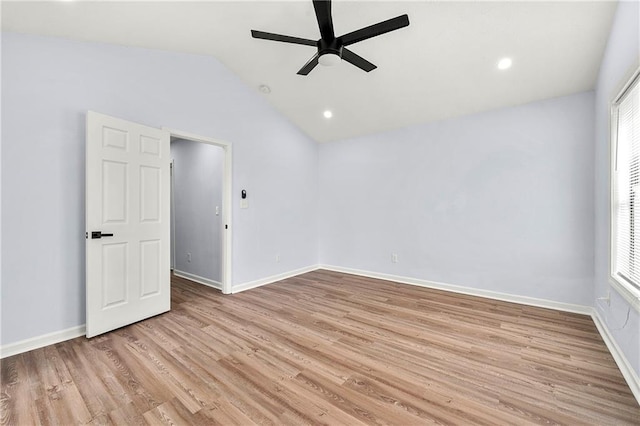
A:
{"x":127,"y":220}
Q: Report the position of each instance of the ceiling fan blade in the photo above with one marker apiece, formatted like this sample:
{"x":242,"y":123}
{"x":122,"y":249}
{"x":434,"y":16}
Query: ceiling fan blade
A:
{"x":284,"y":38}
{"x":306,"y":69}
{"x":323,"y":14}
{"x":375,"y":30}
{"x":357,"y":60}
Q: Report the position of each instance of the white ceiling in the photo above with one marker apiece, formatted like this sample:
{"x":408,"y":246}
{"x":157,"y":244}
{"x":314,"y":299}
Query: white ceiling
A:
{"x":443,"y":65}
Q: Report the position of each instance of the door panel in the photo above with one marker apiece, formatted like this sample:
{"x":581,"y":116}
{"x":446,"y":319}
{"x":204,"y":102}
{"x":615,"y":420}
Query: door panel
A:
{"x":114,"y":192}
{"x":150,"y":190}
{"x":150,"y":266}
{"x":127,"y":183}
{"x":149,"y":145}
{"x":114,"y":274}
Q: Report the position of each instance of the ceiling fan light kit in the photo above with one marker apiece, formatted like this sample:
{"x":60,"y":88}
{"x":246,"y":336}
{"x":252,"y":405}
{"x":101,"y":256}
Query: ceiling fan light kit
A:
{"x":331,"y":49}
{"x":329,"y":59}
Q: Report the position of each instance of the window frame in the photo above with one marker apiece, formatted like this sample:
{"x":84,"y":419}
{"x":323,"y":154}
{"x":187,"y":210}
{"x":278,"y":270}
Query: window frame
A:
{"x":625,"y":288}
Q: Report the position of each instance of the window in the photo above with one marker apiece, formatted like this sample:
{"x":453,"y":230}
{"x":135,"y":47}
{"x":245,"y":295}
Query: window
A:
{"x":625,"y":208}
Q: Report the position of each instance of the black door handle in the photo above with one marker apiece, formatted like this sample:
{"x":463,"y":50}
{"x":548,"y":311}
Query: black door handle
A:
{"x":99,"y":234}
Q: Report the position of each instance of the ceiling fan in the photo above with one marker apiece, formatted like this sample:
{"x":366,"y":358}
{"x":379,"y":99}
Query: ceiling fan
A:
{"x":331,"y":48}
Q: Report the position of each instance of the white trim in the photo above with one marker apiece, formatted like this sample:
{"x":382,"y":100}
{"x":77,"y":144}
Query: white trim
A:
{"x":629,"y":293}
{"x":523,"y":300}
{"x":41,"y":341}
{"x":625,"y":367}
{"x":227,"y":185}
{"x":269,"y":280}
{"x":172,"y":200}
{"x":625,"y":289}
{"x":630,"y":77}
{"x":198,"y":279}
{"x":623,"y":364}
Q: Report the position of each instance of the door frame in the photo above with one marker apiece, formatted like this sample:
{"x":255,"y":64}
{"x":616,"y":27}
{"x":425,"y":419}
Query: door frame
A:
{"x":172,"y":210}
{"x":227,"y":176}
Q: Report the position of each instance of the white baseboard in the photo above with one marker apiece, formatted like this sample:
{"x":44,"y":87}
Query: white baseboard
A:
{"x":71,"y":333}
{"x":625,"y":367}
{"x":268,"y":280}
{"x":41,"y":341}
{"x":198,"y":279}
{"x":523,"y":300}
{"x":623,"y":364}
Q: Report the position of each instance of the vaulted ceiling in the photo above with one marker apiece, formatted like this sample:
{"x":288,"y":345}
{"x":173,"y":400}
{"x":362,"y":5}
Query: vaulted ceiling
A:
{"x":443,"y":65}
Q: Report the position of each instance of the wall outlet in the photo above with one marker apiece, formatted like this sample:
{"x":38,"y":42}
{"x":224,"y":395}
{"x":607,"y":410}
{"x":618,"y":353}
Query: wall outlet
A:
{"x":394,"y":258}
{"x":217,"y":210}
{"x":189,"y":257}
{"x":278,"y":257}
{"x":244,"y":204}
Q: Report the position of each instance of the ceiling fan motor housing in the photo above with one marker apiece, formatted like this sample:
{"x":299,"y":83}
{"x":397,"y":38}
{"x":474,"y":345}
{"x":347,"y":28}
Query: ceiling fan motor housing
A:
{"x":330,"y":47}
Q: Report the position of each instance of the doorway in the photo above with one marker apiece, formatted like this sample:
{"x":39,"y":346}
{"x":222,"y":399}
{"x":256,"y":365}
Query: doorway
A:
{"x":201,"y":209}
{"x":128,"y":221}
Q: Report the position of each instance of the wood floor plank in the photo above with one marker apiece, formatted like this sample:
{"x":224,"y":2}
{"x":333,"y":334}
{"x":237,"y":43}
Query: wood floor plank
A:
{"x":16,"y":402}
{"x":326,"y":348}
{"x":89,"y":375}
{"x":169,"y":413}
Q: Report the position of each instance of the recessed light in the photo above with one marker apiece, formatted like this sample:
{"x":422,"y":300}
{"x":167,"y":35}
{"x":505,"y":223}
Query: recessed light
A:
{"x":504,"y":63}
{"x":264,"y":89}
{"x":328,"y":114}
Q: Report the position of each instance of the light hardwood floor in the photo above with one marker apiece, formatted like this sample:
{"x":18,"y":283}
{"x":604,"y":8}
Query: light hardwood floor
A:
{"x":328,"y":348}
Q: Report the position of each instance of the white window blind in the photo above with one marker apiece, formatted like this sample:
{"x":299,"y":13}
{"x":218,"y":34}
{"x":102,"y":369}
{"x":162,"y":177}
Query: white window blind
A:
{"x":626,"y":206}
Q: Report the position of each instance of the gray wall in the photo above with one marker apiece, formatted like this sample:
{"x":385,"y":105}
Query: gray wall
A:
{"x":621,"y":56}
{"x":499,"y":201}
{"x":502,"y":201}
{"x":48,"y":84}
{"x":197,"y":182}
